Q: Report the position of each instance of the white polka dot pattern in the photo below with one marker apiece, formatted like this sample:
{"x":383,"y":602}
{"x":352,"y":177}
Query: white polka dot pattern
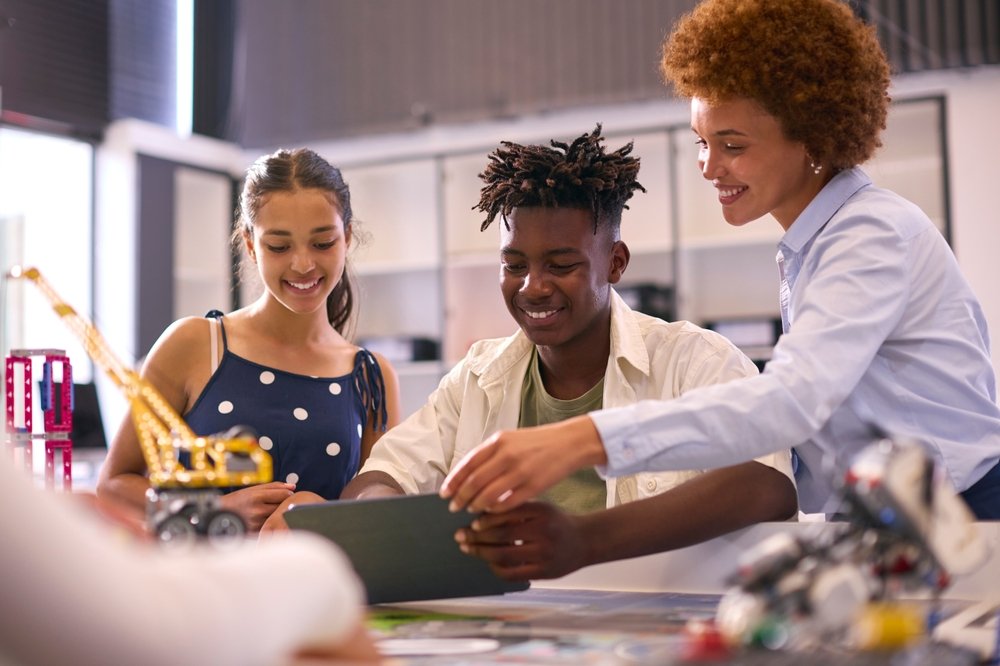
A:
{"x":310,"y":437}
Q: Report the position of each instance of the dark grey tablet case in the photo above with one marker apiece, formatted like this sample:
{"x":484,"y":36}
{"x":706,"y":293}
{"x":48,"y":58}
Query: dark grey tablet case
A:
{"x":403,"y":548}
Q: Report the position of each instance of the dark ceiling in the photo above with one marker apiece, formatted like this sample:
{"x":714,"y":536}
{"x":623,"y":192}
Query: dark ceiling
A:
{"x":271,"y":72}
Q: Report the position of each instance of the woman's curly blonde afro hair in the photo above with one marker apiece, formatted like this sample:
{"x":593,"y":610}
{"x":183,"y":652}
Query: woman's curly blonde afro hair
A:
{"x":812,"y":64}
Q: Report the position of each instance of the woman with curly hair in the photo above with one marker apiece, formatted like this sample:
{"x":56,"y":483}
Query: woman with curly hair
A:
{"x":881,"y":331}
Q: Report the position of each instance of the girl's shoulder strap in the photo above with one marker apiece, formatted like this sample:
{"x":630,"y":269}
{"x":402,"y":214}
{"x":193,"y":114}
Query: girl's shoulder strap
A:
{"x":371,"y":386}
{"x":215,"y":326}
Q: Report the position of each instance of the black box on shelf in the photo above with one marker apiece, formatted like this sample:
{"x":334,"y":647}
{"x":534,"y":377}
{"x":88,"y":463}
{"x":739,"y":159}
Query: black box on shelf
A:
{"x":755,"y":336}
{"x":656,"y":300}
{"x":402,"y":348}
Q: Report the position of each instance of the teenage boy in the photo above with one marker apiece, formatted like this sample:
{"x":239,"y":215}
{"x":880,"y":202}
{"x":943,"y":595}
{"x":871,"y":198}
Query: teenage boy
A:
{"x":579,"y":348}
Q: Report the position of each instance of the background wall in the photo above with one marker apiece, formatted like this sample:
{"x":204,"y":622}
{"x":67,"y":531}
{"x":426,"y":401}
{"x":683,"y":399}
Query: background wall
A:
{"x":308,"y":70}
{"x":428,"y":272}
{"x":391,"y":65}
{"x":433,"y":84}
{"x":973,"y":138}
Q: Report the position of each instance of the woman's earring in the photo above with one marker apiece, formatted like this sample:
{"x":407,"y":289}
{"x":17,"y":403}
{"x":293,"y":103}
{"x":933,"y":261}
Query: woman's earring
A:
{"x":812,"y":165}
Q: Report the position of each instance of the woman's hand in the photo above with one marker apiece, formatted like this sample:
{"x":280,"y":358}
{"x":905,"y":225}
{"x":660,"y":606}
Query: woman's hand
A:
{"x":513,"y":466}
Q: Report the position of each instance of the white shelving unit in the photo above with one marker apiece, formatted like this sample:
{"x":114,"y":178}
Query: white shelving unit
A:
{"x":428,"y":271}
{"x":201,"y":245}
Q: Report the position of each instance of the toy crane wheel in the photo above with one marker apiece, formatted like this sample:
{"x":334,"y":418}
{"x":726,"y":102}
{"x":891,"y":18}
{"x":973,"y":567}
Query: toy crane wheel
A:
{"x":176,"y":531}
{"x":223,"y":527}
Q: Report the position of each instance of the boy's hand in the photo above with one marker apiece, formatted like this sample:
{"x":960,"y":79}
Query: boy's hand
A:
{"x":535,"y":540}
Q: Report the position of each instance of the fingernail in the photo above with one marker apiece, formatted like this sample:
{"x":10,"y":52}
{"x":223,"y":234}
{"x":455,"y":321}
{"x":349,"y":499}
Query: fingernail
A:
{"x":460,"y":536}
{"x":454,"y":507}
{"x":464,"y":548}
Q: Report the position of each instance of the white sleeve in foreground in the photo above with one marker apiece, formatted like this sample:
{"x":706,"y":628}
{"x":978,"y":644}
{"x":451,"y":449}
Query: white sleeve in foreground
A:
{"x":76,"y":591}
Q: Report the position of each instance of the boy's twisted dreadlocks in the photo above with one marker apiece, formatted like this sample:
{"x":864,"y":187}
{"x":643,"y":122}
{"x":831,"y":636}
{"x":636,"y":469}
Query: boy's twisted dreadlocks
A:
{"x":578,"y":175}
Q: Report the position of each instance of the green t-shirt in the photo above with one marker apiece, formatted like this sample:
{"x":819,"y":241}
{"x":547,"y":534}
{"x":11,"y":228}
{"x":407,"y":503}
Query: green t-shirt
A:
{"x":583,"y":491}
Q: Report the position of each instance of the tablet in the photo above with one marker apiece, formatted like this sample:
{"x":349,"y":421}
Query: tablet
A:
{"x":403,"y":548}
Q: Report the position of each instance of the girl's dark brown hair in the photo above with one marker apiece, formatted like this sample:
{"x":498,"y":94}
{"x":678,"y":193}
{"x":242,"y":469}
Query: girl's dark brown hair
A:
{"x":287,"y":171}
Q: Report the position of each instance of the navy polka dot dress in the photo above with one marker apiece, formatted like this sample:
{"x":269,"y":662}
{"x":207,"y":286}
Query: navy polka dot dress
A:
{"x":311,"y":426}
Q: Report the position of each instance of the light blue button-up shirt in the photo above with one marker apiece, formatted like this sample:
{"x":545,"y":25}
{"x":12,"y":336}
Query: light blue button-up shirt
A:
{"x":881,"y":330}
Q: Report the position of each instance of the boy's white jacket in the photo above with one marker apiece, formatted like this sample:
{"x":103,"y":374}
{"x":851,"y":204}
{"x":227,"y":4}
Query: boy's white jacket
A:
{"x":650,"y":359}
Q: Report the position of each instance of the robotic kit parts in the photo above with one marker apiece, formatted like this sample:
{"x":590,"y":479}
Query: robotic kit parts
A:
{"x":183,"y":500}
{"x":907,"y":530}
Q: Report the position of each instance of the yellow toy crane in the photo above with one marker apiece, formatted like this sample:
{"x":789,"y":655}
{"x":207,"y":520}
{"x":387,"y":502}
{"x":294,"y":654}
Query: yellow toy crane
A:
{"x":183,"y":500}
